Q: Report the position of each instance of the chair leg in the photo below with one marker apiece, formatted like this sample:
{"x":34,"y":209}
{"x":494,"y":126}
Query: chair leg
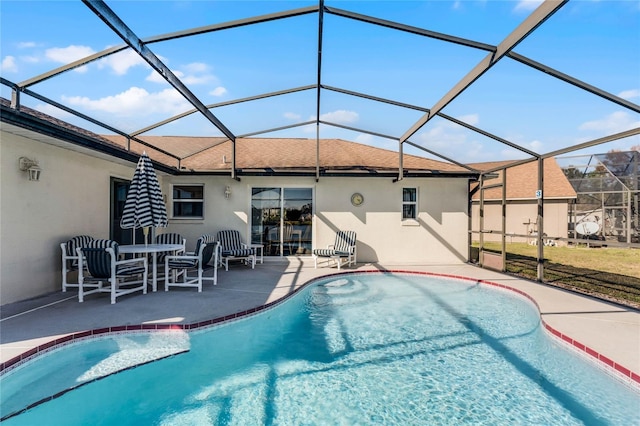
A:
{"x":114,"y":283}
{"x":64,"y":276}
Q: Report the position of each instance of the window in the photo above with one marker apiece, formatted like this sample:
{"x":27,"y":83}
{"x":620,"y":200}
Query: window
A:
{"x":409,"y":203}
{"x":188,"y":202}
{"x":281,"y":220}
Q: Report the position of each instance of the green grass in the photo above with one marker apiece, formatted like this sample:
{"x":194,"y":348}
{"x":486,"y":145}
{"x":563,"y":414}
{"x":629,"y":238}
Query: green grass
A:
{"x":609,"y":273}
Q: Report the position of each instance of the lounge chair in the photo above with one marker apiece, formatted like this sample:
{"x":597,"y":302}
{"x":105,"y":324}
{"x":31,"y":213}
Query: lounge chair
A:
{"x":104,"y":267}
{"x":178,"y":266}
{"x":70,"y":258}
{"x":343,"y":250}
{"x":232,"y":248}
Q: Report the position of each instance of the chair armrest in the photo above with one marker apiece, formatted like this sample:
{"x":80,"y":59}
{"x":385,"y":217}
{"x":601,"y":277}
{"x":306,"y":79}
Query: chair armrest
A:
{"x":181,"y":257}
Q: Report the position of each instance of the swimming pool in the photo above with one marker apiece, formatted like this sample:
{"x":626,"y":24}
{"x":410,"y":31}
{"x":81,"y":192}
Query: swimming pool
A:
{"x":351,"y":349}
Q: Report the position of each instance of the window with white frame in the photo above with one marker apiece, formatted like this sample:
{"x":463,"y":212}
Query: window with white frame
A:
{"x":188,"y":202}
{"x":409,"y":203}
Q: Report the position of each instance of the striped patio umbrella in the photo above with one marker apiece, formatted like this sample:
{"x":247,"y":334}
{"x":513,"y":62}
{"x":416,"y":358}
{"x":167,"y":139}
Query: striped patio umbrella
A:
{"x":144,"y":207}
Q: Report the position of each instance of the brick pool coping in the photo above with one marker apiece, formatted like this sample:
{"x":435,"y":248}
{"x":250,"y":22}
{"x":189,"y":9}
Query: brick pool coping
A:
{"x":609,"y":365}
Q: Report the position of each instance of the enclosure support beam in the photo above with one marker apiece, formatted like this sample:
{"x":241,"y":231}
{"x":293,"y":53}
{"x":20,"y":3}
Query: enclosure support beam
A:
{"x":319,"y":84}
{"x":481,"y":222}
{"x":503,"y":237}
{"x":540,"y":220}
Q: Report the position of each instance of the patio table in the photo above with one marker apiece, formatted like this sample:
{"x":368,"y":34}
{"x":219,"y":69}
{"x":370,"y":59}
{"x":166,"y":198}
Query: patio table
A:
{"x":152,"y":249}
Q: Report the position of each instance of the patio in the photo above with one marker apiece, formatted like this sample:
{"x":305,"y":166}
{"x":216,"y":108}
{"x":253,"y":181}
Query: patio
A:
{"x":603,"y":328}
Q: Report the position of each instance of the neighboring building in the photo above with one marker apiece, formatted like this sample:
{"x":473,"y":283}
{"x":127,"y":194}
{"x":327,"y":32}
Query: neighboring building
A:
{"x":522,"y":203}
{"x":420,"y":219}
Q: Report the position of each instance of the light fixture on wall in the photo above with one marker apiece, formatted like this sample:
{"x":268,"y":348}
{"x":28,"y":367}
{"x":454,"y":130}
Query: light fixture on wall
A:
{"x":31,"y":167}
{"x":227,"y":192}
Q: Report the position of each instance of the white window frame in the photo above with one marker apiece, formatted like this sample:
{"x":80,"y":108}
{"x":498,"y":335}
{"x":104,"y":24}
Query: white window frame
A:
{"x":186,"y":200}
{"x":409,"y":220}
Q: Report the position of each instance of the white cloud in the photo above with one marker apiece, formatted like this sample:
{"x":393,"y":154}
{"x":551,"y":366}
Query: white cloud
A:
{"x":26,"y":44}
{"x":292,"y":116}
{"x":196,"y":67}
{"x":618,"y":121}
{"x":629,"y":94}
{"x":68,"y":54}
{"x":155,"y":77}
{"x":218,"y":91}
{"x":121,"y":62}
{"x":8,"y":64}
{"x":367,"y":139}
{"x":134,"y":101}
{"x":536,"y":146}
{"x":527,"y":5}
{"x":340,"y":116}
{"x":191,"y":74}
{"x":198,"y":79}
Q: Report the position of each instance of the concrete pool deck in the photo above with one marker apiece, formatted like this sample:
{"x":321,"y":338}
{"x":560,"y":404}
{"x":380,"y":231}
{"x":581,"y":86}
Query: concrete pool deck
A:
{"x":602,"y":330}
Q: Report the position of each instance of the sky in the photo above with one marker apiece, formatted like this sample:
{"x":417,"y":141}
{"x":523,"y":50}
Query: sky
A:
{"x":597,"y":42}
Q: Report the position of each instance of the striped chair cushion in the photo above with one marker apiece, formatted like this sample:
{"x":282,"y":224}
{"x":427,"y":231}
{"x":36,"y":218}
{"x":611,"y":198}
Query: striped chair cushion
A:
{"x":344,"y":240}
{"x":208,"y":238}
{"x":129,"y":270}
{"x":168,"y":238}
{"x":183,"y":263}
{"x":73,"y":244}
{"x":208,"y":251}
{"x":229,"y":240}
{"x":98,"y":259}
{"x":192,"y":263}
{"x":330,"y":252}
{"x":237,"y":252}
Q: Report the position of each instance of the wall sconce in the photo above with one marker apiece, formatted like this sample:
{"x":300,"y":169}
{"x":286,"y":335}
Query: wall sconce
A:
{"x":227,"y":192}
{"x":31,"y":167}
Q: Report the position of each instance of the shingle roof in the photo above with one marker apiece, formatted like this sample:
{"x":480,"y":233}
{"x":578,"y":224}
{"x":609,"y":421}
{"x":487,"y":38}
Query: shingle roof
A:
{"x":209,"y":154}
{"x":522,"y":181}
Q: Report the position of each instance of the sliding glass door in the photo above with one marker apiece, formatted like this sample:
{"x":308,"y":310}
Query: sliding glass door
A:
{"x":281,"y":220}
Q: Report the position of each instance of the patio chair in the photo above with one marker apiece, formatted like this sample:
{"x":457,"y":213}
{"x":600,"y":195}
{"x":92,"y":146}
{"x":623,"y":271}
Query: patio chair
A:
{"x":70,"y":258}
{"x":232,"y":248}
{"x":178,"y":266}
{"x":343,"y":250}
{"x":170,"y":238}
{"x":104,"y":267}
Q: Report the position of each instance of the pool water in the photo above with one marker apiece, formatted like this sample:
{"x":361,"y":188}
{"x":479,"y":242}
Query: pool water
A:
{"x":388,"y":349}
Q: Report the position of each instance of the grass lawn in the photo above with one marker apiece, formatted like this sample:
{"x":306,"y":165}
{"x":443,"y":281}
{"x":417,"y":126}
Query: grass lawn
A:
{"x":609,"y":273}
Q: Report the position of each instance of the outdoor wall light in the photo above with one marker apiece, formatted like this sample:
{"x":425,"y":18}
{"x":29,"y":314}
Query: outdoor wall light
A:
{"x":31,"y":167}
{"x":227,"y":192}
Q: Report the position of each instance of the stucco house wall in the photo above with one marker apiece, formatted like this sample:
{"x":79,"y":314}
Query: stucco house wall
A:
{"x":438,"y":236}
{"x":73,"y":198}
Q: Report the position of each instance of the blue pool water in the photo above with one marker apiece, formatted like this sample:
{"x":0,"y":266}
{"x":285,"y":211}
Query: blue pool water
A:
{"x":388,"y":349}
